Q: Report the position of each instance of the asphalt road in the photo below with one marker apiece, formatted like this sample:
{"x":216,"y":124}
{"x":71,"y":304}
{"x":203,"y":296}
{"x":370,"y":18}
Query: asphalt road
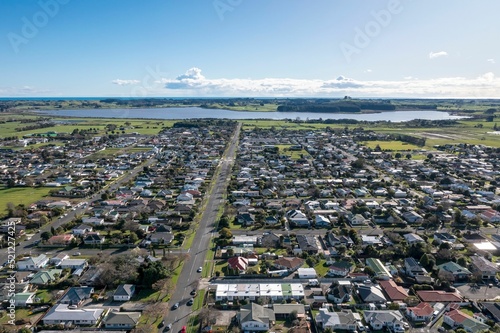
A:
{"x":189,"y":276}
{"x":26,"y":246}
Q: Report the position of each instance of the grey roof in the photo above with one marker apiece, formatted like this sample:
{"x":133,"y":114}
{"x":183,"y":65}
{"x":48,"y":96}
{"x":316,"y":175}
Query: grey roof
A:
{"x":124,"y":290}
{"x":255,"y":312}
{"x":383,"y":316}
{"x":482,"y":264}
{"x":128,"y":318}
{"x":288,"y":308}
{"x":371,"y":294}
{"x":61,"y":313}
{"x":75,"y":295}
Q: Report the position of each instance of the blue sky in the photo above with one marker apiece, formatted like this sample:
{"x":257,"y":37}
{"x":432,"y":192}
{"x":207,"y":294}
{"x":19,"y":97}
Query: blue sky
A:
{"x":323,"y":48}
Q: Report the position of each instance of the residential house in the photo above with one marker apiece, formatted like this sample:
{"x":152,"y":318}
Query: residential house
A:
{"x":238,"y":264}
{"x":339,"y":293}
{"x":43,"y":278}
{"x":381,"y":272}
{"x":64,"y":239}
{"x":340,"y":268}
{"x":81,"y":230}
{"x":57,"y":259}
{"x":289,"y":263}
{"x":492,"y":310}
{"x":484,"y":268}
{"x":321,"y":221}
{"x":124,"y":292}
{"x":245,"y":219}
{"x":93,"y":238}
{"x":254,"y":317}
{"x":459,"y":319}
{"x":297,"y":218}
{"x":61,"y":314}
{"x":93,"y":220}
{"x":23,"y":300}
{"x":73,"y":263}
{"x":420,"y":313}
{"x":335,"y":240}
{"x":394,"y":292}
{"x":412,"y":217}
{"x":270,"y":240}
{"x":344,"y":320}
{"x":438,"y":296}
{"x":283,"y":311}
{"x":371,"y":294}
{"x":440,"y":237}
{"x":32,"y":263}
{"x":412,"y":238}
{"x":76,"y":295}
{"x":490,"y":215}
{"x":413,"y":268}
{"x":121,"y":320}
{"x":454,"y":271}
{"x":308,"y":243}
{"x":391,"y":319}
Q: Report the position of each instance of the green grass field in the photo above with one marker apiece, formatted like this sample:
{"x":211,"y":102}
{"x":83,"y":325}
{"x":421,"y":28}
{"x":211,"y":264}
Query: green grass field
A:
{"x":21,"y":195}
{"x":390,"y":145}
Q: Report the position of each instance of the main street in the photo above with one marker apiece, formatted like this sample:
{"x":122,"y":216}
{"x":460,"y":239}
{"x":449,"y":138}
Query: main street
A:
{"x":189,"y":276}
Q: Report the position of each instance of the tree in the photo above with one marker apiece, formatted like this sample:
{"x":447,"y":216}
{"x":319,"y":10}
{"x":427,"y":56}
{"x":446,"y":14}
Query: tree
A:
{"x":153,"y":272}
{"x":369,"y":271}
{"x":45,"y":235}
{"x":397,"y":155}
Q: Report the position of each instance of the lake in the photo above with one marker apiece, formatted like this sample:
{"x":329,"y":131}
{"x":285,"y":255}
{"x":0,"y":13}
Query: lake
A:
{"x":196,"y":112}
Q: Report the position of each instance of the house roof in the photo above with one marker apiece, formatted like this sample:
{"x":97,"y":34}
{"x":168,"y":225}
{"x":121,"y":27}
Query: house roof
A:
{"x":395,"y":292}
{"x":256,"y":312}
{"x":239,"y":263}
{"x":469,"y":323}
{"x":289,"y":262}
{"x":371,"y":294}
{"x":482,"y":264}
{"x":44,"y":277}
{"x":127,"y":318}
{"x":124,"y":290}
{"x":61,"y":313}
{"x":454,"y":268}
{"x":75,"y":295}
{"x":423,"y":309}
{"x":438,"y":296}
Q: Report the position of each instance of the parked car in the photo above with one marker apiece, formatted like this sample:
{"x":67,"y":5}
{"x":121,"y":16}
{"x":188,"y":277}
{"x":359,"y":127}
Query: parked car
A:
{"x":199,"y":269}
{"x":183,"y":329}
{"x":193,"y":292}
{"x":162,"y":323}
{"x":175,"y":306}
{"x":190,"y":302}
{"x":168,"y":328}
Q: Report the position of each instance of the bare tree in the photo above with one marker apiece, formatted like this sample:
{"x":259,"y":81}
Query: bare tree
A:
{"x":164,"y":286}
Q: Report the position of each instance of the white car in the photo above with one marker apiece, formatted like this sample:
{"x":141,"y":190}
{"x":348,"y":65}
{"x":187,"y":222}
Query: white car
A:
{"x":199,"y":269}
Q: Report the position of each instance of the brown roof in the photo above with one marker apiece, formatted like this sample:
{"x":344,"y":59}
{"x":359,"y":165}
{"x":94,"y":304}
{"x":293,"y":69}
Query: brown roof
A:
{"x":289,"y":262}
{"x":395,"y":292}
{"x":438,"y":296}
{"x":422,"y":309}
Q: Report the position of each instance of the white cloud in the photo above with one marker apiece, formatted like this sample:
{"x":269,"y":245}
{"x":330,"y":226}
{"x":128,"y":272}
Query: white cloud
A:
{"x":433,"y":55}
{"x":491,"y":61}
{"x":368,"y":71}
{"x":193,"y":83}
{"x":121,"y":82}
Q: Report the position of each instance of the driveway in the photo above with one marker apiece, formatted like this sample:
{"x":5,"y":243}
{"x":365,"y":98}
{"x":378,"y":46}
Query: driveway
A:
{"x":476,"y":292}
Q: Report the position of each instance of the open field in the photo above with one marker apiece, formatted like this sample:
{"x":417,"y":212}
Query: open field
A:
{"x":390,"y":145}
{"x":21,"y":195}
{"x":68,"y":125}
{"x":294,"y":154}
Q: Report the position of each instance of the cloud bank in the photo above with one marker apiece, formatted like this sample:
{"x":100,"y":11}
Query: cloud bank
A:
{"x":193,"y":83}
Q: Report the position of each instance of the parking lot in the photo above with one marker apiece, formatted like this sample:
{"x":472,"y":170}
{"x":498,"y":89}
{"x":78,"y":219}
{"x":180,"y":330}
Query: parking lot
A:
{"x":479,"y":292}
